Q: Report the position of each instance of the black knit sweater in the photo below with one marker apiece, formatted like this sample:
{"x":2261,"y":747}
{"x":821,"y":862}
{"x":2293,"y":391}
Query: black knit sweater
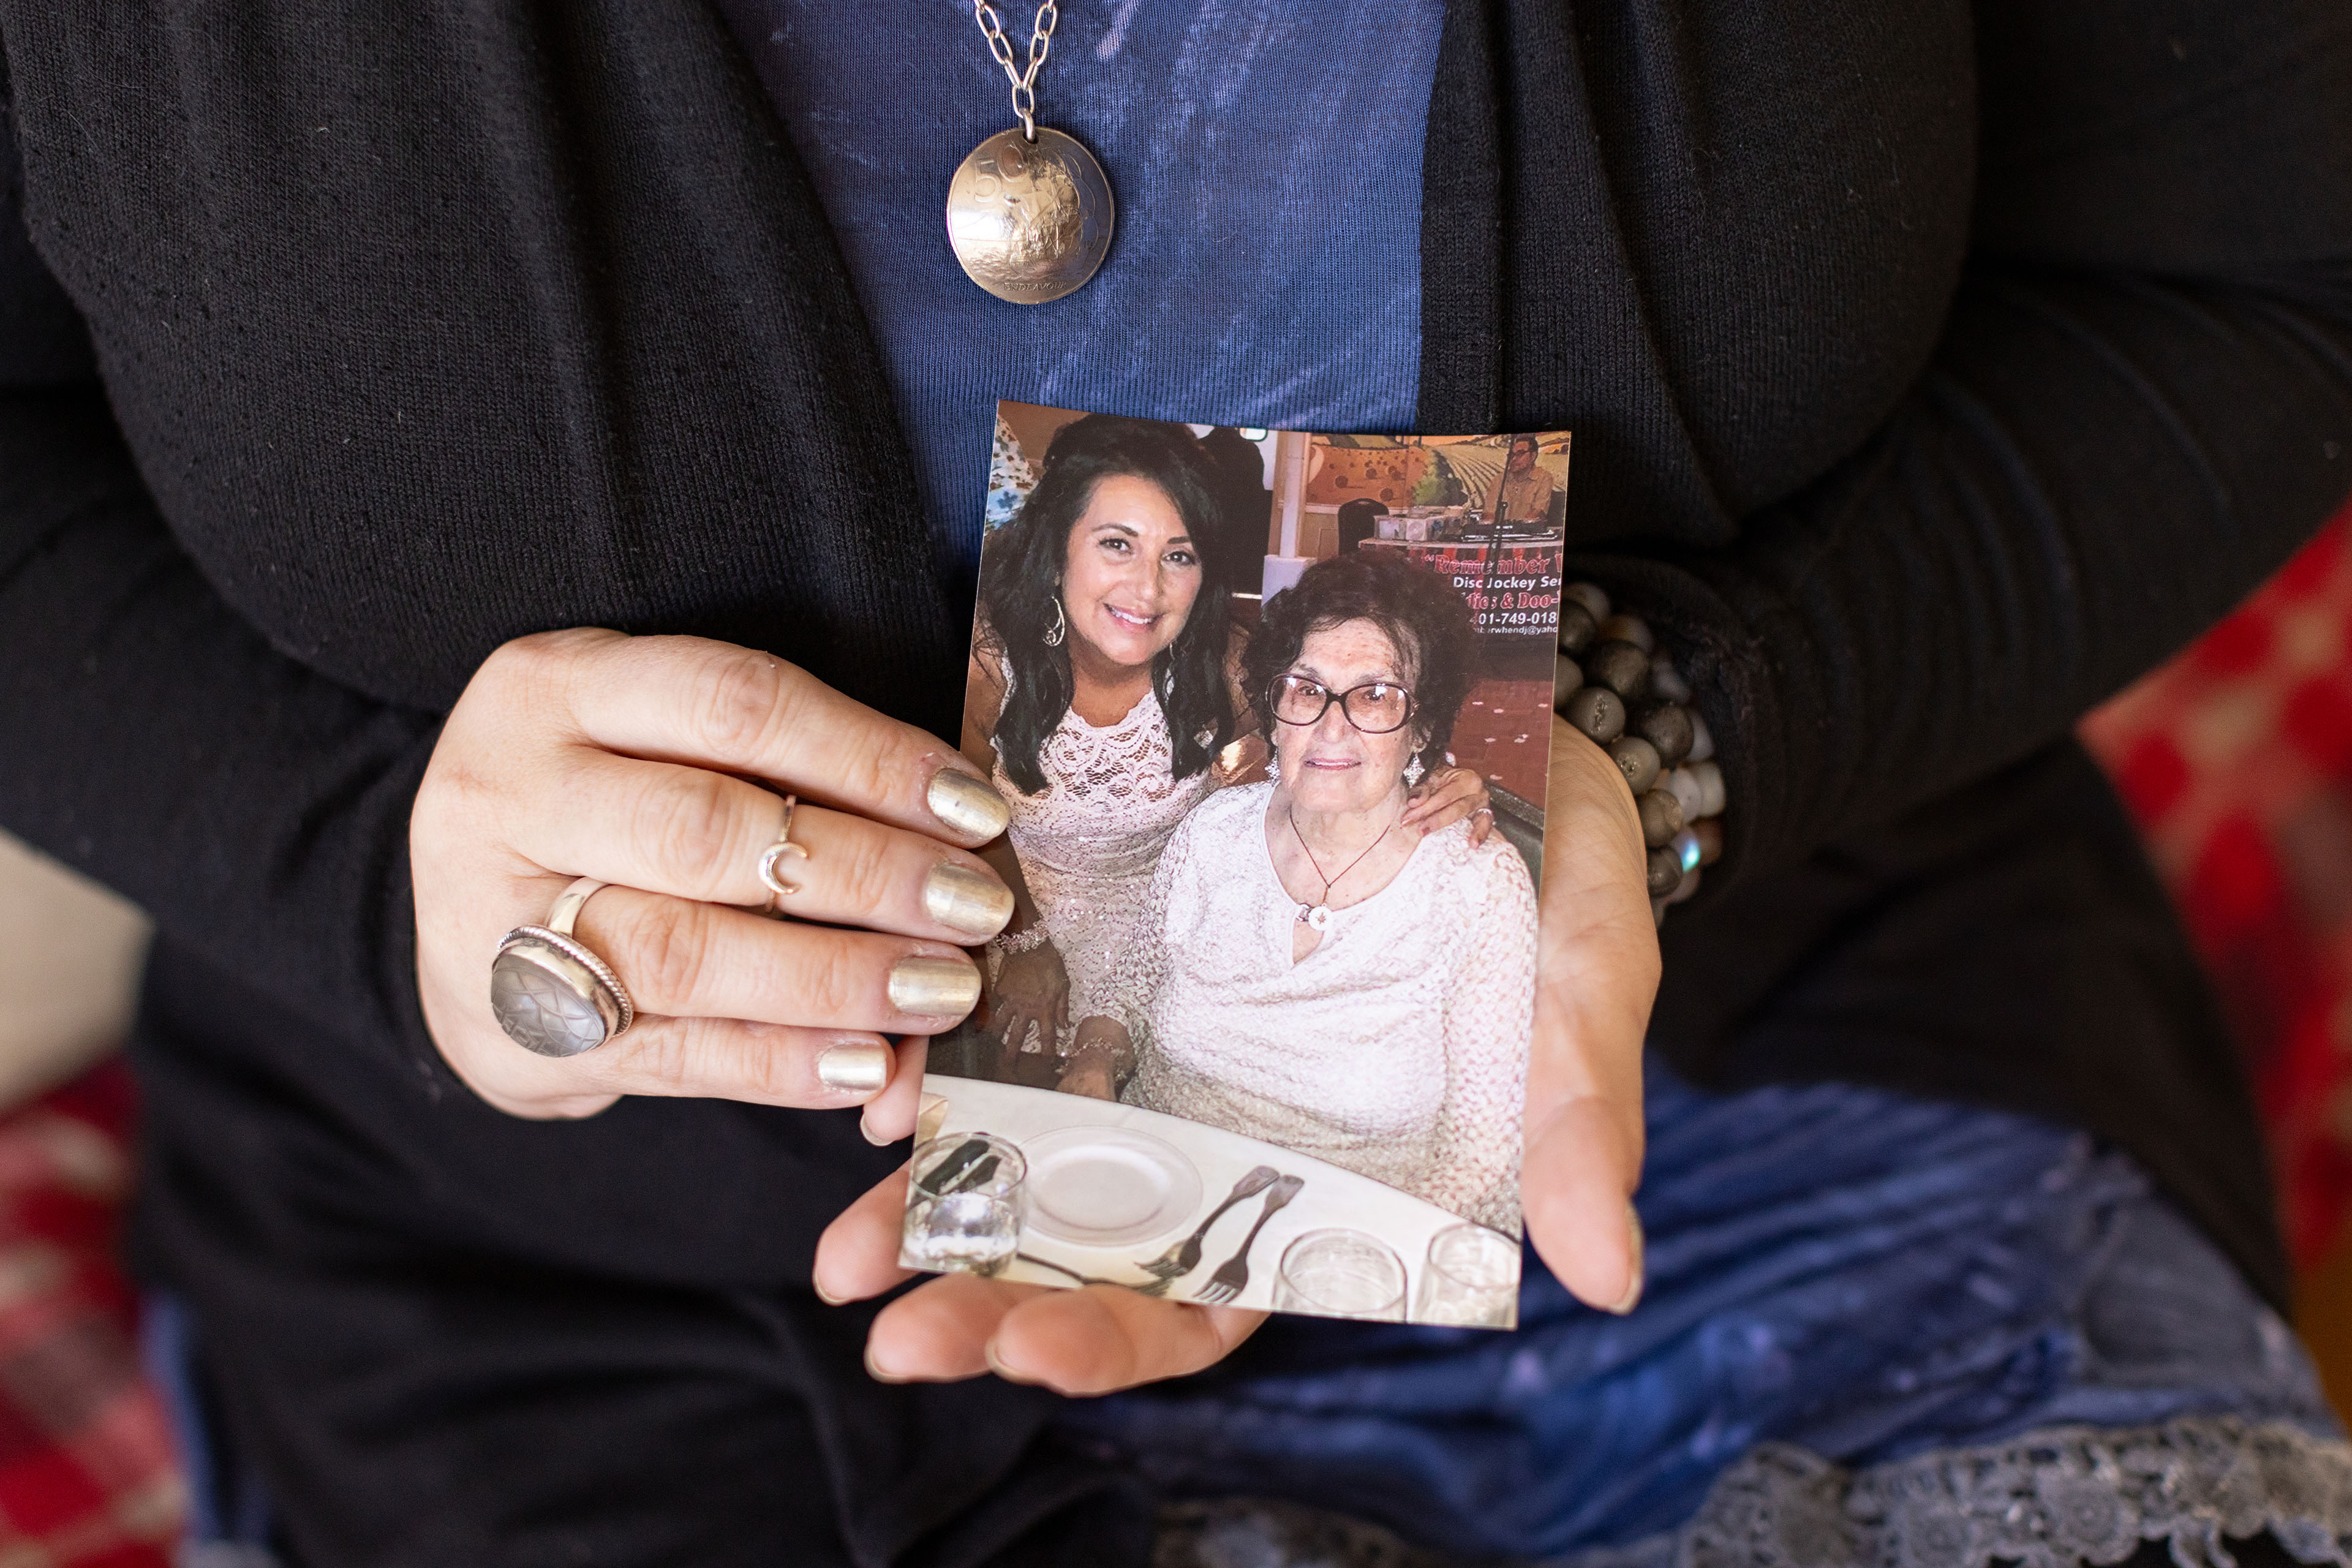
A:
{"x":1936,"y":369}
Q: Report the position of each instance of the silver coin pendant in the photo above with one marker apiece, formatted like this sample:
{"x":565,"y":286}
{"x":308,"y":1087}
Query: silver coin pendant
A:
{"x":1030,"y":221}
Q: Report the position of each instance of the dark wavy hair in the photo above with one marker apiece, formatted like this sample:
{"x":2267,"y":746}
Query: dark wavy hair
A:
{"x":1020,"y":574}
{"x":1417,"y":610}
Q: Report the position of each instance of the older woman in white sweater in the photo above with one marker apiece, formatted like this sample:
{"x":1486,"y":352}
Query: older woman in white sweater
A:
{"x":1309,"y":975}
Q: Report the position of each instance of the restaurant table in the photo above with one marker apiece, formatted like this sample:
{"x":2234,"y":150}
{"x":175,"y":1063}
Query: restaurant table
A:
{"x":1332,"y":1195}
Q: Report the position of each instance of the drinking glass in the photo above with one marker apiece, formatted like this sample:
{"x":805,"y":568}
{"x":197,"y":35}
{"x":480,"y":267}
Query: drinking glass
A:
{"x":963,"y":1204}
{"x":1340,"y":1273}
{"x":1471,"y":1280}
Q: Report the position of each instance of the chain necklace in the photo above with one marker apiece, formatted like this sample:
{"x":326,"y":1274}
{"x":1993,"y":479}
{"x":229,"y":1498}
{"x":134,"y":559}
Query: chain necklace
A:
{"x":1319,"y":914}
{"x":1029,"y":212}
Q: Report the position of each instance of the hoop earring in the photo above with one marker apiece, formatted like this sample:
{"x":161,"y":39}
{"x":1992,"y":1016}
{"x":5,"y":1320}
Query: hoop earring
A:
{"x":1412,"y":771}
{"x":1060,"y":628}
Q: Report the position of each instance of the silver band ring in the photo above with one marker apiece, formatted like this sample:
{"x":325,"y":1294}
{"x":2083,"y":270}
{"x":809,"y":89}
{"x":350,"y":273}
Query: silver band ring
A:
{"x":769,"y":877}
{"x":548,"y":993}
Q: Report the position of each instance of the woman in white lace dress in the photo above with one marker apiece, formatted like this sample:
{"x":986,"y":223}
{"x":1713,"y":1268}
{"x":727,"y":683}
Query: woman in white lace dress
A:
{"x":1102,"y":696}
{"x":1309,"y":972}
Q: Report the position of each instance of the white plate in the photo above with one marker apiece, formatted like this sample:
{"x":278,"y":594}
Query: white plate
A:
{"x":1107,"y":1186}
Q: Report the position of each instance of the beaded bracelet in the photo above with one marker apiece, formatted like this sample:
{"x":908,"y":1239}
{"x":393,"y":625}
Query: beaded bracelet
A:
{"x":1612,"y":683}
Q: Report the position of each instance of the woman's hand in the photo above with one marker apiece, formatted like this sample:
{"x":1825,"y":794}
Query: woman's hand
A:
{"x":591,"y":753}
{"x":1445,"y":798}
{"x":1032,"y":988}
{"x":1597,"y":977}
{"x":1095,"y":1051}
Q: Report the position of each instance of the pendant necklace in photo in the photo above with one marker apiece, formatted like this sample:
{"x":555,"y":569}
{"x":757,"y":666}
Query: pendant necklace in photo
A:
{"x":1319,"y":914}
{"x":1029,"y":213}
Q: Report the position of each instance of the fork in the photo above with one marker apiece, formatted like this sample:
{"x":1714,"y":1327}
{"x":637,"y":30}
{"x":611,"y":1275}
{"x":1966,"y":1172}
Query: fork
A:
{"x":1230,"y":1281}
{"x":1185,"y":1256}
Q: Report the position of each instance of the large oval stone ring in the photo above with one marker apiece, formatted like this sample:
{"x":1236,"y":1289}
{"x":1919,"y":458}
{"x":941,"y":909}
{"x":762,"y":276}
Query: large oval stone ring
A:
{"x":551,"y":995}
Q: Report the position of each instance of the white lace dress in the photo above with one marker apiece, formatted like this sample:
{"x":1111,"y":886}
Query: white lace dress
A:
{"x":1089,"y":842}
{"x":1398,"y":1048}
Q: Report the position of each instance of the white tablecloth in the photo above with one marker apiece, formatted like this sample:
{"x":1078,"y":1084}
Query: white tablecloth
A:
{"x":1332,"y":1196}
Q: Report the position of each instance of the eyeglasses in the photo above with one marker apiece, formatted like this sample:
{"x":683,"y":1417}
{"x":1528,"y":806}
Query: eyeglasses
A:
{"x":1376,"y":706}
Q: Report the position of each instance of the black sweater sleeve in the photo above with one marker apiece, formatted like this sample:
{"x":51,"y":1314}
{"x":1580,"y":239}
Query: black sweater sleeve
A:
{"x":152,"y":739}
{"x":2141,"y":403}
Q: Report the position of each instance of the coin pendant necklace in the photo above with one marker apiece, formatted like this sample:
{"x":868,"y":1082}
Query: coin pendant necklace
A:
{"x":1319,"y":914}
{"x":1029,"y":213}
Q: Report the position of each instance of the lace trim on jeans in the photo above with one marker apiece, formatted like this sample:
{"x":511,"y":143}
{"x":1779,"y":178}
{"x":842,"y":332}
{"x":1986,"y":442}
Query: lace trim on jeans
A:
{"x":2048,"y":1499}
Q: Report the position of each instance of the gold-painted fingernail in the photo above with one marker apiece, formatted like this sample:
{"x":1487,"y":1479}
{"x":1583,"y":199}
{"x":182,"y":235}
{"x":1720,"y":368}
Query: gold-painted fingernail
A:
{"x":855,"y":1067}
{"x":934,"y":987}
{"x":970,"y":901}
{"x":966,"y":805}
{"x":1633,"y":1291}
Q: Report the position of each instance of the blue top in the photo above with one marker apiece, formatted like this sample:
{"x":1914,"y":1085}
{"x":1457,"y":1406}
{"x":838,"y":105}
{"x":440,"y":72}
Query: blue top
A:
{"x":1285,"y":291}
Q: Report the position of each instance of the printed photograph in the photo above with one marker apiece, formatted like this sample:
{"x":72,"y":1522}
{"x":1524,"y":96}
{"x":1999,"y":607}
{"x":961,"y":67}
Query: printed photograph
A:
{"x":1271,"y":709}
